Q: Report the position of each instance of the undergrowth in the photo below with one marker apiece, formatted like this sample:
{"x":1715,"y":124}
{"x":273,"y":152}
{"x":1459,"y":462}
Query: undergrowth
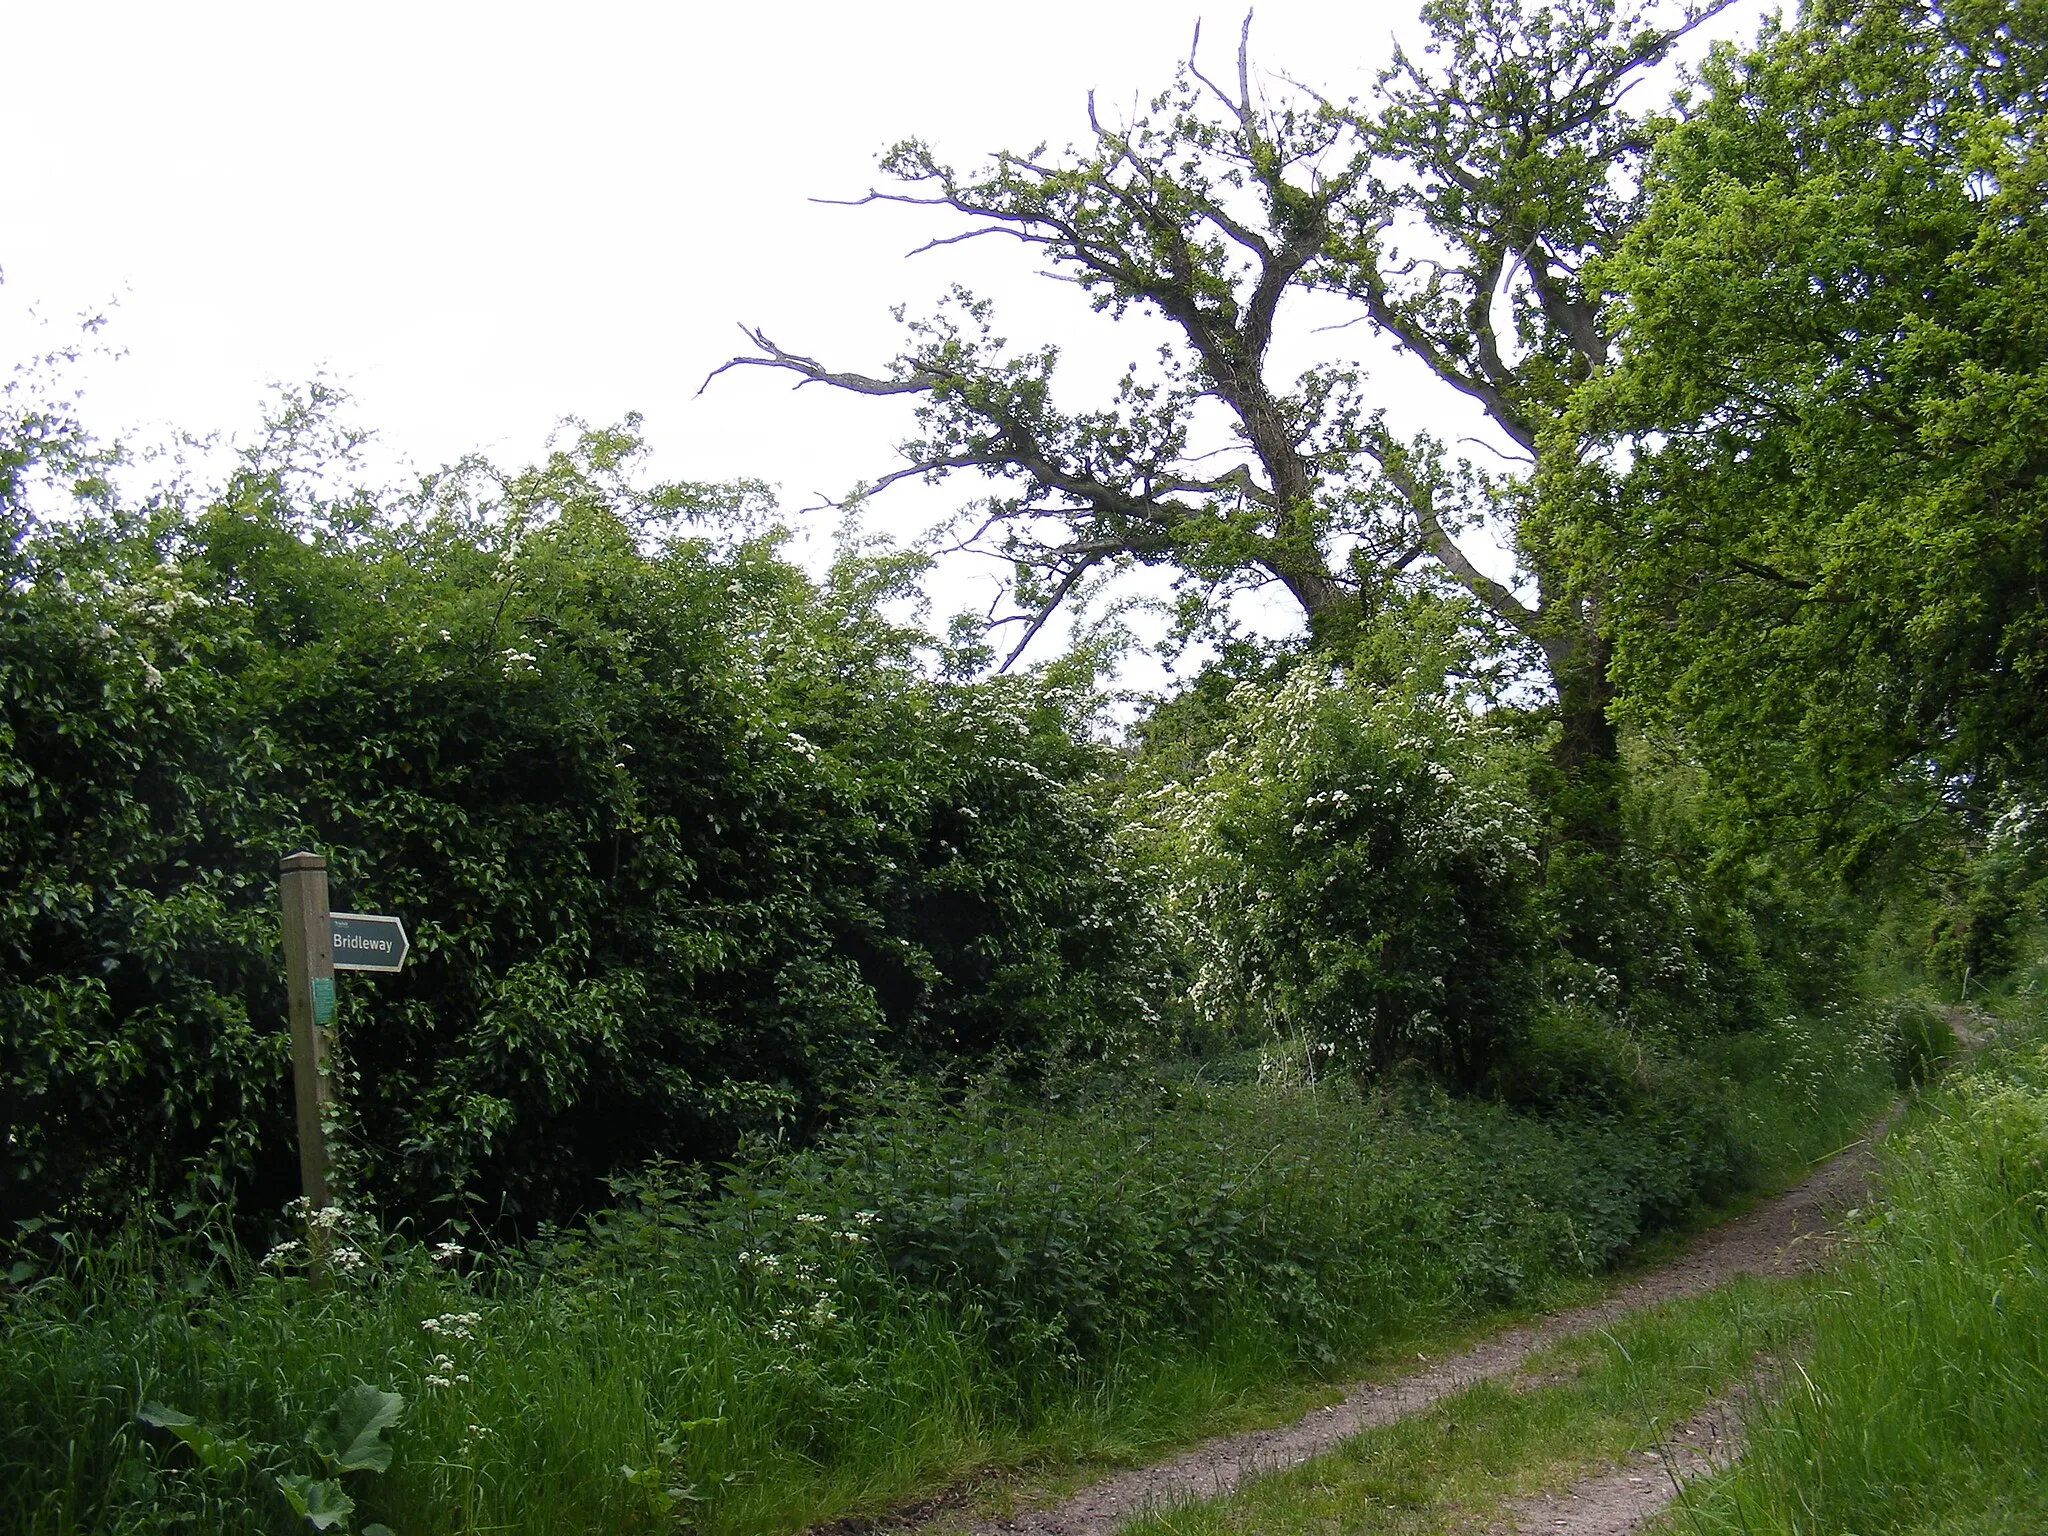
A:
{"x":952,"y":1282}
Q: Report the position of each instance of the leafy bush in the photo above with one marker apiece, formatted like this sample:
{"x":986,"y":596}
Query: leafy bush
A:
{"x":1920,"y":1039}
{"x":1670,"y":930}
{"x":1569,"y":1057}
{"x":348,"y":1437}
{"x":688,"y":844}
{"x":1980,"y":923}
{"x":1167,"y":1212}
{"x":1354,"y":865}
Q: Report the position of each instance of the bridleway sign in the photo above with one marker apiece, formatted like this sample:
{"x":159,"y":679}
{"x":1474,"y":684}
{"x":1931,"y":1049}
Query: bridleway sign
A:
{"x":367,"y":941}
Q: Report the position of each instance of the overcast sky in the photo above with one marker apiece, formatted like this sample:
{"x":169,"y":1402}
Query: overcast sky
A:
{"x":481,"y":218}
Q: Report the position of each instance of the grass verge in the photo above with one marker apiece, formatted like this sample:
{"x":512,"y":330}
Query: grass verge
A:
{"x":1924,"y":1404}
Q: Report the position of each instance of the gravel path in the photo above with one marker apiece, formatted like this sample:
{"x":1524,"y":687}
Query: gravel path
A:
{"x":1780,"y":1237}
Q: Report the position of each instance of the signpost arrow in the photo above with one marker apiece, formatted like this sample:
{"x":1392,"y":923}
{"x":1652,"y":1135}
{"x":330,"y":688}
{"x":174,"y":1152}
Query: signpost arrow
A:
{"x":367,"y":941}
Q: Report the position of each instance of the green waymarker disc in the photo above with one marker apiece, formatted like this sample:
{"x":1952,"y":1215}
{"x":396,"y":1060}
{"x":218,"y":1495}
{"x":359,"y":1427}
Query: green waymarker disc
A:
{"x":323,"y":999}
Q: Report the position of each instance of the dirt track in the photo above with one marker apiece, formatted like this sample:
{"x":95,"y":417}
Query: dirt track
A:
{"x":1621,"y":1499}
{"x":1779,"y":1237}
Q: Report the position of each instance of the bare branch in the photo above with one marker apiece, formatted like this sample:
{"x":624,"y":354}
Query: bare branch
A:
{"x":973,"y":234}
{"x":1047,"y":608}
{"x":811,"y":371}
{"x":1421,"y":499}
{"x":1196,"y":70}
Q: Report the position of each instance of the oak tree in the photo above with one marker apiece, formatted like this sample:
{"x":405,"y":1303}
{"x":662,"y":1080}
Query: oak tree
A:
{"x":1487,"y":172}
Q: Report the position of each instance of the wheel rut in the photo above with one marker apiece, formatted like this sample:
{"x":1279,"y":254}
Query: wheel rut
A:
{"x":1624,"y":1498}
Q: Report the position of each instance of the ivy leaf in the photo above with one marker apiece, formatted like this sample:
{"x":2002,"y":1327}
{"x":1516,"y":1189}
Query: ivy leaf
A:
{"x":215,"y":1451}
{"x":319,"y":1500}
{"x":350,"y":1433}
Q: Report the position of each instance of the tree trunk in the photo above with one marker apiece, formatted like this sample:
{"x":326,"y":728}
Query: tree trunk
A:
{"x":1586,"y":736}
{"x":1585,"y":760}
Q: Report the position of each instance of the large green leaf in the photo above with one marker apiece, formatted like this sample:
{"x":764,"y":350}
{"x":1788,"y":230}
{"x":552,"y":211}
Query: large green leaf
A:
{"x":215,"y":1451}
{"x":350,"y":1434}
{"x":319,"y":1500}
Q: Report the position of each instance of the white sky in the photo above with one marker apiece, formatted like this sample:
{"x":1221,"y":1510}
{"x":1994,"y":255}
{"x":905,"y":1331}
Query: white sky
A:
{"x":480,"y":218}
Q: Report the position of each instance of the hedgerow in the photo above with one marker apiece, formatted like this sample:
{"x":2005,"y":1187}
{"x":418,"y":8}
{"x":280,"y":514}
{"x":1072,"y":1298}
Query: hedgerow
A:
{"x":688,"y":844}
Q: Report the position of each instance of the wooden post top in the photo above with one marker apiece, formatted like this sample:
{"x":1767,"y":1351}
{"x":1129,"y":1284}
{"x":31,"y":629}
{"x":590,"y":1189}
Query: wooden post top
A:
{"x":293,"y":863}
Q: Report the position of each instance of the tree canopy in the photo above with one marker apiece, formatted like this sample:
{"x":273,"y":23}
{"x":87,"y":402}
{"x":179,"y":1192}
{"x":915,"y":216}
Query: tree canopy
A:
{"x":1829,"y":552}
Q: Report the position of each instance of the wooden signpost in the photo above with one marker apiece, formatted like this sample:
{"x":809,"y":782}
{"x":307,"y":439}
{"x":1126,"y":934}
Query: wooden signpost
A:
{"x":309,"y":980}
{"x":317,"y":943}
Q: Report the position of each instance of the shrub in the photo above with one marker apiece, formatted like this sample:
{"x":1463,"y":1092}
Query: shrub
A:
{"x":1354,"y":865}
{"x":1920,"y":1040}
{"x":1570,"y":1057}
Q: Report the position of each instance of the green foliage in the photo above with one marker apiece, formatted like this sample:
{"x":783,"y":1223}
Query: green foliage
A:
{"x":943,"y":1282}
{"x":1176,"y":1213}
{"x":687,"y":844}
{"x":320,"y":1503}
{"x":1353,"y":866}
{"x":1922,"y":1040}
{"x":1334,"y":846}
{"x":348,"y":1437}
{"x":215,"y":1451}
{"x":1992,"y":893}
{"x":1671,"y":932}
{"x":1827,"y":561}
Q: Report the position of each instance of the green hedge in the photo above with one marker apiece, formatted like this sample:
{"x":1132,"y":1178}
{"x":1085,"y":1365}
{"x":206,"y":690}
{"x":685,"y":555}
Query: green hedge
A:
{"x":688,"y":844}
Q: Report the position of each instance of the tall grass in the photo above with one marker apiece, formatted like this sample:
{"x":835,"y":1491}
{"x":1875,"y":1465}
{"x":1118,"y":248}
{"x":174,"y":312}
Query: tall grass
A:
{"x":945,"y":1283}
{"x":1924,"y":1406}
